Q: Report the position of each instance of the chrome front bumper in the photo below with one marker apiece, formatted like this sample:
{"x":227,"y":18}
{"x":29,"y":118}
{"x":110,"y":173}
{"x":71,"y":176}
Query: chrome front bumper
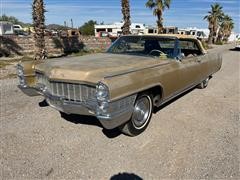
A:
{"x":110,"y":121}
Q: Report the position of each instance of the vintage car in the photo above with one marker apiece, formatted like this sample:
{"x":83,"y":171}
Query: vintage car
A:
{"x":122,"y":86}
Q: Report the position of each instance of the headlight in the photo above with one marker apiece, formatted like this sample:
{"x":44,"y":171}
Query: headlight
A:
{"x":102,"y":95}
{"x":102,"y":92}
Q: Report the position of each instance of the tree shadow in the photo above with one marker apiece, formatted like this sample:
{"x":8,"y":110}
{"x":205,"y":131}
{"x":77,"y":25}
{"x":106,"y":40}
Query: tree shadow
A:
{"x":126,"y":176}
{"x":69,"y":44}
{"x":8,"y":46}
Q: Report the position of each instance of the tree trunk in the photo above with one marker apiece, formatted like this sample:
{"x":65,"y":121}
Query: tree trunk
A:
{"x":126,"y":17}
{"x":210,"y":37}
{"x":160,"y":23}
{"x":39,"y":27}
{"x":220,"y":36}
{"x":215,"y":32}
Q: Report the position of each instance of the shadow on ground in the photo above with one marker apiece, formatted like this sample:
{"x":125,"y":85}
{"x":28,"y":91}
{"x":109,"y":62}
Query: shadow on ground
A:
{"x":85,"y":120}
{"x":93,"y":121}
{"x":125,"y":176}
{"x":172,"y":101}
{"x":235,"y":49}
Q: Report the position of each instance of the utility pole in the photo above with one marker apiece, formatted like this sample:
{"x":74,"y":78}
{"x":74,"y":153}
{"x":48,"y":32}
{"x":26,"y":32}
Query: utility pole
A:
{"x":72,"y":23}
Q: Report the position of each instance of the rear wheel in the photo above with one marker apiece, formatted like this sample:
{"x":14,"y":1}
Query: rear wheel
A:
{"x":141,"y":116}
{"x":204,"y":83}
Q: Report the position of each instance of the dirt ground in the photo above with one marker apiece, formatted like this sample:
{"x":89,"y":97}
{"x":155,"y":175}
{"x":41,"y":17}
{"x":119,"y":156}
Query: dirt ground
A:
{"x":194,"y":137}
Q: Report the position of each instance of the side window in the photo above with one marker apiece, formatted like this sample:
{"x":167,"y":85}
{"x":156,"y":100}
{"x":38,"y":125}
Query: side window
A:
{"x":188,"y":45}
{"x":189,"y":48}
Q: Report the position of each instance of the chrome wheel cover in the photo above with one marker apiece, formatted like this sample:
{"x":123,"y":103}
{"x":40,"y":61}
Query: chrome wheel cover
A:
{"x":142,"y":112}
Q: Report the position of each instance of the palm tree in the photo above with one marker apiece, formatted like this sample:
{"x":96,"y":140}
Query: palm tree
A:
{"x":126,"y":17}
{"x":225,"y":30}
{"x":158,"y":6}
{"x":214,"y":17}
{"x":229,"y":31}
{"x":227,"y":25}
{"x":38,"y":10}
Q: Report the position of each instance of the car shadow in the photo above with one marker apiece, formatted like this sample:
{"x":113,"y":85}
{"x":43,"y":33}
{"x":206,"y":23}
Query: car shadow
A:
{"x":85,"y":120}
{"x":157,"y":109}
{"x":91,"y":121}
{"x":43,"y":103}
{"x":235,"y":49}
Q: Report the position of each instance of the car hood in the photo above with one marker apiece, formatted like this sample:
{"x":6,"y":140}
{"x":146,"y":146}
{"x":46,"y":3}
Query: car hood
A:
{"x":95,"y":67}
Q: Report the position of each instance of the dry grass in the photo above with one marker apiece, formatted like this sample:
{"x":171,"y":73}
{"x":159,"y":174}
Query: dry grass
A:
{"x":3,"y":64}
{"x":12,"y":61}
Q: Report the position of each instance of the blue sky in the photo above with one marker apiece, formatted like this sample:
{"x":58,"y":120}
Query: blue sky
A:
{"x":182,"y":13}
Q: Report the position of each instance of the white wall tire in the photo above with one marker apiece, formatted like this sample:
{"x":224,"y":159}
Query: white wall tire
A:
{"x":141,"y":116}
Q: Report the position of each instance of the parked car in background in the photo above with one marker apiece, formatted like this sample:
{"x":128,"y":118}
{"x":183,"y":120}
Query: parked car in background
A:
{"x":17,"y":27}
{"x":18,"y":30}
{"x":122,"y":86}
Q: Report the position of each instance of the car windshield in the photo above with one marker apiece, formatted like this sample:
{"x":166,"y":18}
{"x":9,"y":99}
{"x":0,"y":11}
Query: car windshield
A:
{"x":145,"y":46}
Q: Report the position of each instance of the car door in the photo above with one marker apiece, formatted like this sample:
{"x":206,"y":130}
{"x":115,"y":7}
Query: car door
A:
{"x":203,"y":67}
{"x":189,"y":71}
{"x":190,"y":63}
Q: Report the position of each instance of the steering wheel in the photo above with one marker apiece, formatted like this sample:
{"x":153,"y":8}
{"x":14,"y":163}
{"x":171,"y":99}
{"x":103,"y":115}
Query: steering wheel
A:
{"x":156,"y":50}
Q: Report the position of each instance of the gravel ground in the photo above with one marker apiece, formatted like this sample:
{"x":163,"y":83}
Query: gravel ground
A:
{"x":194,"y":137}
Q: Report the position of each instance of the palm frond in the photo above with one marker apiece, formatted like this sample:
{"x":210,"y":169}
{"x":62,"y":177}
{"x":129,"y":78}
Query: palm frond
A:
{"x":150,"y":4}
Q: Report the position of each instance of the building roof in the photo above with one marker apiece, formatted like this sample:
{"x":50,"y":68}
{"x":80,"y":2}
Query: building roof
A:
{"x":5,"y":22}
{"x":179,"y":36}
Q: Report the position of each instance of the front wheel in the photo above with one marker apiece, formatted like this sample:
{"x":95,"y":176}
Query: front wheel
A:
{"x":141,"y":116}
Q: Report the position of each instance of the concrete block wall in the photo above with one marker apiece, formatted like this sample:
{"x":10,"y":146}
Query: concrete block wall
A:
{"x":55,"y":46}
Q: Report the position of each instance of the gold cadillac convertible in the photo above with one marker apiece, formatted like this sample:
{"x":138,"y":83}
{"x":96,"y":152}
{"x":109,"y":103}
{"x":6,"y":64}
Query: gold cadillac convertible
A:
{"x":122,"y":86}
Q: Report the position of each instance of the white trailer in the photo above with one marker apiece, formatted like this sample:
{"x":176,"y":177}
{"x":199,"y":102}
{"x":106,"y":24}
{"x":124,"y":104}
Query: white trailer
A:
{"x":6,"y":28}
{"x":115,"y":29}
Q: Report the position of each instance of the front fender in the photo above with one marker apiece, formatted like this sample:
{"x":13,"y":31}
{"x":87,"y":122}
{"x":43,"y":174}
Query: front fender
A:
{"x":130,"y":84}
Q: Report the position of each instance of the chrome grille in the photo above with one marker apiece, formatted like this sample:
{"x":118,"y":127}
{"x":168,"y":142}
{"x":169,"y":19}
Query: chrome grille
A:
{"x":70,"y":91}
